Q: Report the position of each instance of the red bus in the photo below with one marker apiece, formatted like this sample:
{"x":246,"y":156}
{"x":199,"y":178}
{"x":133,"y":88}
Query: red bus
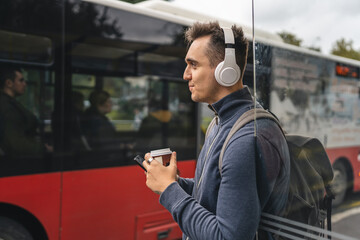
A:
{"x":90,"y":189}
{"x":87,"y":187}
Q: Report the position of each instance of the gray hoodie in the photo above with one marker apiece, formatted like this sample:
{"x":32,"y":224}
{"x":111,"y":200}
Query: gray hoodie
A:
{"x":255,"y":177}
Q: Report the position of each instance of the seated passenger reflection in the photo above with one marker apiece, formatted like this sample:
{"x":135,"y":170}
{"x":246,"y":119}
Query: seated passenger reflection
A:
{"x":78,"y":138}
{"x":99,"y":131}
{"x":19,"y":126}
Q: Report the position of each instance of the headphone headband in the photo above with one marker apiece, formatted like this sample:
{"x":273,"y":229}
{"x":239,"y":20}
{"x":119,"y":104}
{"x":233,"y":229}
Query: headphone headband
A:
{"x":228,"y":35}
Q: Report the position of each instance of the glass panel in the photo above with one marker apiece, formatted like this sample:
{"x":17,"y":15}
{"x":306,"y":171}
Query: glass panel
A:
{"x":317,"y":95}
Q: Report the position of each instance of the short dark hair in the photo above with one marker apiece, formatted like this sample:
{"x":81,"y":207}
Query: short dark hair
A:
{"x":216,"y":48}
{"x":98,"y":97}
{"x":7,"y":73}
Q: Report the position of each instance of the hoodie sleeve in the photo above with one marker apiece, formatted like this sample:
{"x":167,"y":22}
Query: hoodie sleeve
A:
{"x":187,"y":184}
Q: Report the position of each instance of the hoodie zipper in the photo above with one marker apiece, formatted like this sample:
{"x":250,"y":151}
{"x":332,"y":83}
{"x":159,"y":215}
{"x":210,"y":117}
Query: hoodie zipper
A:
{"x":212,"y":143}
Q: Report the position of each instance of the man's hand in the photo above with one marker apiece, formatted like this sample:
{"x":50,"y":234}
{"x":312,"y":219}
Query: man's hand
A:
{"x":159,"y":177}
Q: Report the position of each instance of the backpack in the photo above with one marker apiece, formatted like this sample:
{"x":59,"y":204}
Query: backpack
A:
{"x":310,"y":195}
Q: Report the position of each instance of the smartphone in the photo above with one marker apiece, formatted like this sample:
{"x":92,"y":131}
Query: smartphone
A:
{"x":139,"y":160}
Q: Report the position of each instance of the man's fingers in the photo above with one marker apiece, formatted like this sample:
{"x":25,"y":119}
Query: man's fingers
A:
{"x":173,"y":159}
{"x":147,"y":156}
{"x":146,"y":163}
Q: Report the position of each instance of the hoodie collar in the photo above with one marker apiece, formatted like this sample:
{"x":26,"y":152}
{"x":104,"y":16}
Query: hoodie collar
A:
{"x":226,"y":107}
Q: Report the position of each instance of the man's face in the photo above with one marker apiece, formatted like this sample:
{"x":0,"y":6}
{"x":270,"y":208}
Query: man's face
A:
{"x":199,"y":73}
{"x":106,"y":107}
{"x":18,"y":86}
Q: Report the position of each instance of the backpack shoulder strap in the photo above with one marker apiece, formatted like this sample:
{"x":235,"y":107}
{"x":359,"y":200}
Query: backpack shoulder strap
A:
{"x":244,"y":119}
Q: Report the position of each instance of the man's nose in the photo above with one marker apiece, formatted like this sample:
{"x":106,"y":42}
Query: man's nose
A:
{"x":187,"y":74}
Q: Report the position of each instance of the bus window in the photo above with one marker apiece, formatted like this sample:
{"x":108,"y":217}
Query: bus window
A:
{"x":25,"y":48}
{"x":145,"y":113}
{"x":127,"y":95}
{"x":26,"y":105}
{"x":165,"y":119}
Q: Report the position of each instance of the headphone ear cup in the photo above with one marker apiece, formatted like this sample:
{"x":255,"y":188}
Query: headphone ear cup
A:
{"x":218,"y":71}
{"x":227,"y":75}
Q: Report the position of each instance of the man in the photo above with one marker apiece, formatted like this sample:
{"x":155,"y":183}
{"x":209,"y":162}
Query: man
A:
{"x":18,"y":125}
{"x":255,"y":170}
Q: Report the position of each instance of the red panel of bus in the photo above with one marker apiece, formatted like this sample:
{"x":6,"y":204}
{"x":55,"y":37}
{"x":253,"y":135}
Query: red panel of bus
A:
{"x":114,"y":203}
{"x":38,"y":195}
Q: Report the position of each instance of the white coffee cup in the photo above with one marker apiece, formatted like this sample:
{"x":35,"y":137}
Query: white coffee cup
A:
{"x":162,"y":156}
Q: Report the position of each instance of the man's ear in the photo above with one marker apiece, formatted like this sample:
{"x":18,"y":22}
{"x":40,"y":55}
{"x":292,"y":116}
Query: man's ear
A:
{"x":8,"y":83}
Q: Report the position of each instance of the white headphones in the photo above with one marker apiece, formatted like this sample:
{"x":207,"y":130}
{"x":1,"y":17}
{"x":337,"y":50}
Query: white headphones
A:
{"x":227,"y":73}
